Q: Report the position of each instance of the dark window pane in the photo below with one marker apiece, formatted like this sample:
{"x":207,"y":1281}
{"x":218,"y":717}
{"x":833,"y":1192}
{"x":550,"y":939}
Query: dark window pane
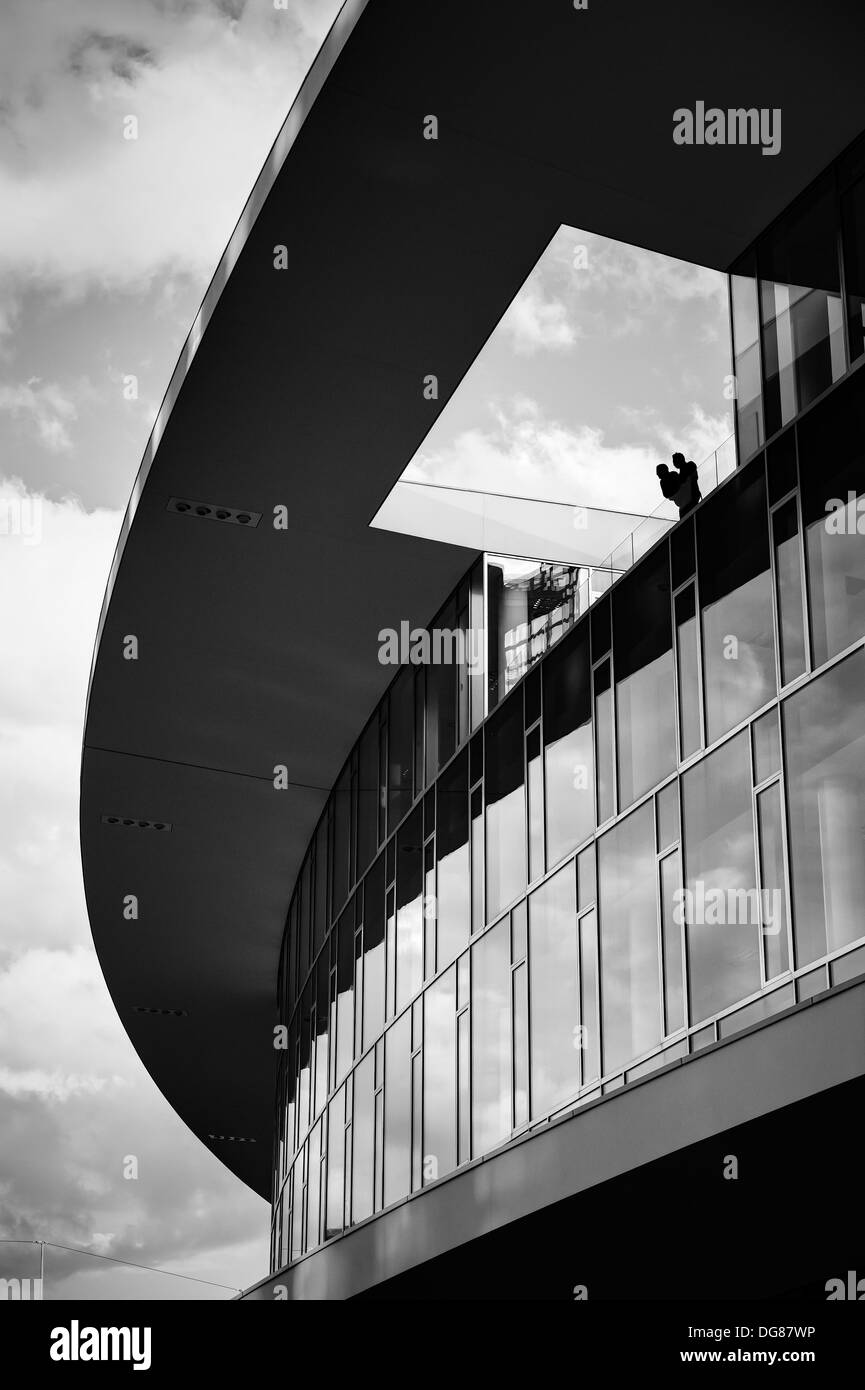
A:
{"x":688,"y":659}
{"x":791,"y":623}
{"x":568,"y":759}
{"x":630,"y":954}
{"x":781,"y":466}
{"x":599,"y":619}
{"x":853,"y":222}
{"x":400,"y":747}
{"x":440,"y":1099}
{"x":721,"y":903}
{"x":363,"y":1129}
{"x":322,"y":1018}
{"x":803,"y":324}
{"x":736,"y":595}
{"x":832,"y":464}
{"x":604,"y":742}
{"x":452,"y":852}
{"x":505,"y":808}
{"x":409,"y":909}
{"x":824,"y":744}
{"x":683,"y":559}
{"x":320,"y":906}
{"x":643,"y":659}
{"x":373,"y":953}
{"x":553,"y":976}
{"x":774,"y":893}
{"x":341,"y":825}
{"x":746,"y":357}
{"x":397,"y":1110}
{"x":477,"y":846}
{"x":671,"y":883}
{"x":532,"y":696}
{"x":441,"y":699}
{"x":491,"y":1039}
{"x":367,"y":796}
{"x":477,"y":678}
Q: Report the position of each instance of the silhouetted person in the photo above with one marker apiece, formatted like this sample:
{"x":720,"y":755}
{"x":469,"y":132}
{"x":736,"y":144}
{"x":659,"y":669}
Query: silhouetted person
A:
{"x":670,"y":482}
{"x":688,"y":494}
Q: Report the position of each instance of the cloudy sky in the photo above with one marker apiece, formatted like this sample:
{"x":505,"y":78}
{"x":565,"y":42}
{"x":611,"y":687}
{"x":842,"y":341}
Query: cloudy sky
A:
{"x":609,"y":358}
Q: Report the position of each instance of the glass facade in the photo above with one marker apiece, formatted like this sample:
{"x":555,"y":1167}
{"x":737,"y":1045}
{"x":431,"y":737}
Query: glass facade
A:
{"x":654,"y":837}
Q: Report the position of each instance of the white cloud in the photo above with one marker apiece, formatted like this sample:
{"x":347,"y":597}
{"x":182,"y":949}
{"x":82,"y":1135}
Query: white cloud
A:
{"x":94,"y":208}
{"x":46,"y":407}
{"x":534,"y":322}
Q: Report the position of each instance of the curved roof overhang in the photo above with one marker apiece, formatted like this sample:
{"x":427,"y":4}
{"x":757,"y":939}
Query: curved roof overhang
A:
{"x":303,"y":388}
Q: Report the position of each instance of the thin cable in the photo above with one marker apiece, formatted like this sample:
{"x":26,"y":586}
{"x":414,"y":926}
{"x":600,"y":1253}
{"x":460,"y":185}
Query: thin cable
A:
{"x":154,"y":1269}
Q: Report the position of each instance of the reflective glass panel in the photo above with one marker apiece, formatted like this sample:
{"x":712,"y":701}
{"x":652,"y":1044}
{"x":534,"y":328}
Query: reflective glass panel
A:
{"x":853,"y":220}
{"x":643,"y":662}
{"x":373,"y":952}
{"x":491,"y":1038}
{"x":803,"y":321}
{"x":687,"y":656}
{"x":589,"y":1018}
{"x":630,"y":950}
{"x":397,"y":1109}
{"x":409,"y":909}
{"x":604,"y":742}
{"x":791,"y":622}
{"x":363,"y":1130}
{"x":568,"y":758}
{"x":824,"y":745}
{"x":505,"y":808}
{"x":746,"y":356}
{"x":400,"y":747}
{"x":721,"y":900}
{"x":440,"y":1099}
{"x":832,"y":470}
{"x":772,"y":881}
{"x":736,"y":595}
{"x":553,"y":977}
{"x":345,"y":994}
{"x":335,"y":1164}
{"x":671,"y":882}
{"x":367,"y":796}
{"x":452,"y":852}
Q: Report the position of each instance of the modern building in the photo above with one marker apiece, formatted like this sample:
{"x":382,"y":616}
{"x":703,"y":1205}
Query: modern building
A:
{"x":533,"y":966}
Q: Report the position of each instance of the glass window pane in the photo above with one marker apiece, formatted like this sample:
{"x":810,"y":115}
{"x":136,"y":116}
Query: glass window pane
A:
{"x":803,"y":325}
{"x":464,"y":1115}
{"x":521,"y":1045}
{"x":671,"y":883}
{"x":491,"y":1039}
{"x":477,"y":842}
{"x":373,"y":953}
{"x":397,"y":1109}
{"x":824,"y":746}
{"x":362,"y":1131}
{"x":746,"y":350}
{"x":320,"y":905}
{"x":440,"y":1098}
{"x":535,"y":793}
{"x":367,"y":796}
{"x":853,"y":221}
{"x":767,"y":746}
{"x":441,"y":696}
{"x":400,"y":748}
{"x":452,"y":851}
{"x":832,"y":466}
{"x":773,"y":897}
{"x":341,"y":826}
{"x":553,"y":977}
{"x":409,"y":909}
{"x":586,"y":877}
{"x":505,"y":808}
{"x":721,"y":901}
{"x":589,"y":1019}
{"x":297,"y":1211}
{"x":604,"y":742}
{"x":568,"y":760}
{"x":519,"y":928}
{"x":313,"y":1189}
{"x":687,"y":656}
{"x":344,"y":994}
{"x":630,"y":952}
{"x":335,"y":1164}
{"x":643,"y":659}
{"x":791,"y":623}
{"x":736,"y":595}
{"x":668,"y":815}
